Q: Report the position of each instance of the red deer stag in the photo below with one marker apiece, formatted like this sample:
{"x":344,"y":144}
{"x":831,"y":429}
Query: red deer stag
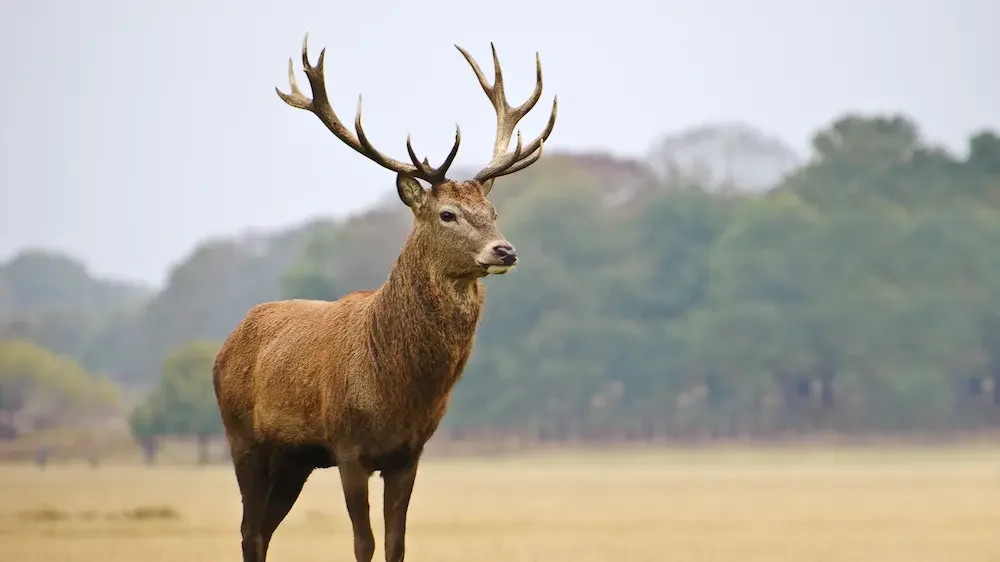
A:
{"x":361,"y":383}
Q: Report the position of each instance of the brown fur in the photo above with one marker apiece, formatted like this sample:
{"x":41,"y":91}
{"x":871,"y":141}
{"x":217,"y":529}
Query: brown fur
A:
{"x":364,"y":375}
{"x":363,"y":382}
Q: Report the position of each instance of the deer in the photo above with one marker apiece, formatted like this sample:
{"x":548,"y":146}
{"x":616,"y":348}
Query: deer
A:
{"x":361,"y":383}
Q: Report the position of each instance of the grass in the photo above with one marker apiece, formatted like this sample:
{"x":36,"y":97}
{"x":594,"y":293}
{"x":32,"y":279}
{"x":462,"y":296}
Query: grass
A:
{"x":913,"y":505}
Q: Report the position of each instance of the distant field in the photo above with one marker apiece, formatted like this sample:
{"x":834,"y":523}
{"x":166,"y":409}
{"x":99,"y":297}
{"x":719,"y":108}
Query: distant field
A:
{"x":747,"y":506}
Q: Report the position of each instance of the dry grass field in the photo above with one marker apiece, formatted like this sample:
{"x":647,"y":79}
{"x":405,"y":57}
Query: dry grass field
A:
{"x":748,"y":506}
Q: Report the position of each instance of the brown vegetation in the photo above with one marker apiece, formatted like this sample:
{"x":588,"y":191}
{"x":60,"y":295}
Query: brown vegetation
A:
{"x":721,"y":505}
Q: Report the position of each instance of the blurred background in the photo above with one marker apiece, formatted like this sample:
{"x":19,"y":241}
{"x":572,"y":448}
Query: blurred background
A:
{"x":755,"y":222}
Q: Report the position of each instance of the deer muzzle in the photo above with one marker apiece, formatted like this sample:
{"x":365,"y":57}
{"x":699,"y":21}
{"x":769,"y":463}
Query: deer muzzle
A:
{"x":498,"y":257}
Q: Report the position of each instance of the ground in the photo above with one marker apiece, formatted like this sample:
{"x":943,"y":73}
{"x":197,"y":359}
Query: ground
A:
{"x":803,"y":505}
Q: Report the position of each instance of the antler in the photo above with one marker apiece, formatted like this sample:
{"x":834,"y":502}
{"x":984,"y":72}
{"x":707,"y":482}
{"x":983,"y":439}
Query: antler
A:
{"x":319,"y":105}
{"x":504,"y":163}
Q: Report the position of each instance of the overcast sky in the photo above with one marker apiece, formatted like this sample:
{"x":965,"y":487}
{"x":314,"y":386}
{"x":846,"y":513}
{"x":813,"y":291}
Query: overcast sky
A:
{"x":133,"y":130}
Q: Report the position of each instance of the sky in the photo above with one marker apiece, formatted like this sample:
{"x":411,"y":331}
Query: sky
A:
{"x":132,"y":131}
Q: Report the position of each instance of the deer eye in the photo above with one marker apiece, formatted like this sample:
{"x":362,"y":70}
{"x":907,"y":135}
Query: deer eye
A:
{"x":447,"y":216}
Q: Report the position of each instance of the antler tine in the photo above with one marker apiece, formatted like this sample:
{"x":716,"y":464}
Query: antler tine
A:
{"x":479,"y":73}
{"x":503,"y":163}
{"x":536,"y":94}
{"x":319,"y":105}
{"x":443,"y":168}
{"x":439,"y":173}
{"x":523,"y":163}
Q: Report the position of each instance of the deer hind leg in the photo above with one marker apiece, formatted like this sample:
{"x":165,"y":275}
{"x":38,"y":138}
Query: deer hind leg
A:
{"x":287,"y":478}
{"x":252,"y":466}
{"x":354,"y":479}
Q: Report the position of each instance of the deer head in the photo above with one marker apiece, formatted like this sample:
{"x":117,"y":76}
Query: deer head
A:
{"x":453,"y":221}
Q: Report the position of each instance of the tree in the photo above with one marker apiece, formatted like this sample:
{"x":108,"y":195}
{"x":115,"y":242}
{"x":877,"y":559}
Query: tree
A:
{"x":146,"y":430}
{"x":41,"y":390}
{"x":183,"y":403}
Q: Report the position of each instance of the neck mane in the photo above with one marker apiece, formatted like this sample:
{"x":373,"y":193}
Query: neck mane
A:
{"x":422,"y":323}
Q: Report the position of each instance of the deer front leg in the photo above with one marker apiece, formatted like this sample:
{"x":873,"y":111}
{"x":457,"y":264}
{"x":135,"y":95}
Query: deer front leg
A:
{"x":398,"y":489}
{"x":354,"y":479}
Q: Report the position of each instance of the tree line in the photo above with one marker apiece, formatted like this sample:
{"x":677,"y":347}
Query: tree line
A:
{"x":858,"y":295}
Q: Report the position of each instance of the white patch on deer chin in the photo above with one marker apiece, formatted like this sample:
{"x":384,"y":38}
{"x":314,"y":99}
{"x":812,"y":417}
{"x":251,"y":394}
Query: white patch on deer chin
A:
{"x":498,"y":269}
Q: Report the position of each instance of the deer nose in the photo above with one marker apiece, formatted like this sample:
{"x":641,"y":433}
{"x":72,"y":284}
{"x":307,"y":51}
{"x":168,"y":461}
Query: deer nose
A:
{"x":506,"y":253}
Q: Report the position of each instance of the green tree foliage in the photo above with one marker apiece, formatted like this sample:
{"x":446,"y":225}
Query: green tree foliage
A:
{"x":860,"y":294}
{"x":183,"y":403}
{"x":147,"y":427}
{"x":855,"y":296}
{"x":49,"y":281}
{"x":206,"y":295}
{"x":52,"y":300}
{"x":357,"y":253}
{"x":42,"y":390}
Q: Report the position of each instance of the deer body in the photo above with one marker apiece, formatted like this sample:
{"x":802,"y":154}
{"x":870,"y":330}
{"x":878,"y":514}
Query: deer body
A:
{"x":366,"y":377}
{"x":362,"y":383}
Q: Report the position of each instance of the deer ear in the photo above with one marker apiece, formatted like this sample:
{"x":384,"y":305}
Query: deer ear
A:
{"x":410,"y":191}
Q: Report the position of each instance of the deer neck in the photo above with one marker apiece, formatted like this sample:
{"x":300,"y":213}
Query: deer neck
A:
{"x":423,"y":322}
